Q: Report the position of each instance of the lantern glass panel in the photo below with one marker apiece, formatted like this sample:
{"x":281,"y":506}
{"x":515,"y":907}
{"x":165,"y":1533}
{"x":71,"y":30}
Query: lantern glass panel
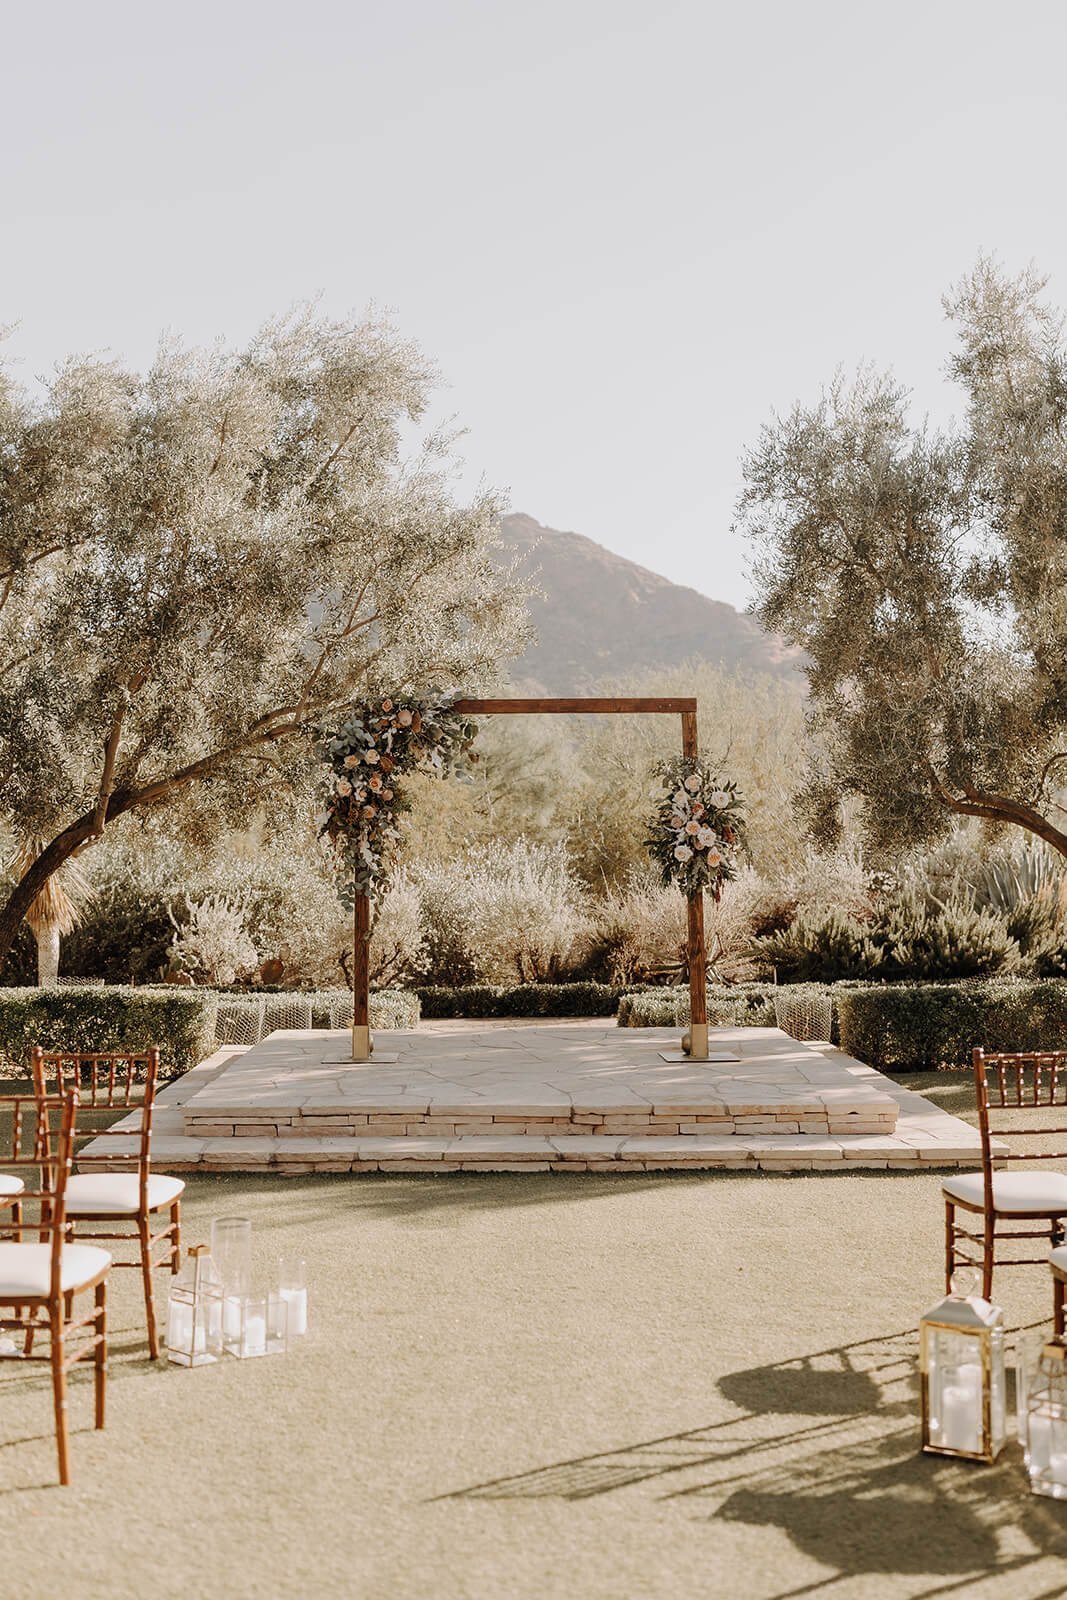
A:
{"x":1046,"y":1452}
{"x":963,"y":1366}
{"x":194,"y":1312}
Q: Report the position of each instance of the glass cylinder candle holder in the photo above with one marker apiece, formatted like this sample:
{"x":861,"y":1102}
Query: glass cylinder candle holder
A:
{"x":1046,"y":1423}
{"x":231,"y":1251}
{"x":256,"y":1325}
{"x":245,"y":1322}
{"x":194,"y":1311}
{"x":961,"y":1363}
{"x":292,"y":1286}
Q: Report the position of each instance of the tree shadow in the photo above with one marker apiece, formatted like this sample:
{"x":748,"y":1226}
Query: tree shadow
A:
{"x":825,"y":1449}
{"x":407,"y":1197}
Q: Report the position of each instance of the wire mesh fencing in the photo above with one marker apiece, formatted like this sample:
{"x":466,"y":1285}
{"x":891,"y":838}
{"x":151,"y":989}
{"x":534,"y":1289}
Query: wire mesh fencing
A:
{"x":804,"y":1016}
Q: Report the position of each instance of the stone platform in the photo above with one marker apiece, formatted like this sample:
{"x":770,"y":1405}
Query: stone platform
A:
{"x":575,"y":1096}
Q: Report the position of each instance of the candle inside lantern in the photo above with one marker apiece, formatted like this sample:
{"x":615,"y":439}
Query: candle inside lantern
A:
{"x":961,"y":1409}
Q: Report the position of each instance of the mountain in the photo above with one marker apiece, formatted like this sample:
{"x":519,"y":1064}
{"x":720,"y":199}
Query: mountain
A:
{"x":603,"y":620}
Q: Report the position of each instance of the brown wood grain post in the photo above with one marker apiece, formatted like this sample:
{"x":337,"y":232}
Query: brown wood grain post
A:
{"x":697,"y":956}
{"x":361,"y":1039}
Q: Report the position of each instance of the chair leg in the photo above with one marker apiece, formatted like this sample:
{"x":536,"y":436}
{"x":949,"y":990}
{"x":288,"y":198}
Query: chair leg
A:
{"x":59,"y":1393}
{"x":176,"y":1236}
{"x":149,"y":1295}
{"x":1056,"y":1231}
{"x":100,"y":1353}
{"x":988,"y":1243}
{"x":1057,"y":1307}
{"x":950,"y":1243}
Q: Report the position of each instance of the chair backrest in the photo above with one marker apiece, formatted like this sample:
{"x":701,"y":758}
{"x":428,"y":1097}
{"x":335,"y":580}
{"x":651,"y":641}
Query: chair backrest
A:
{"x":1011,"y":1081}
{"x":42,"y":1136}
{"x":102,"y":1082}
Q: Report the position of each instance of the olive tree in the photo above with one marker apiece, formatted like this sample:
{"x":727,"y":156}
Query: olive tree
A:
{"x":196,"y":561}
{"x":924,"y":572}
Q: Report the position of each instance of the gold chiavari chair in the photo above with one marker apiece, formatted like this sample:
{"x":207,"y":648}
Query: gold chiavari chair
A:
{"x":1006,"y":1084}
{"x":39,"y":1281}
{"x":12,"y":1189}
{"x":122,"y":1200}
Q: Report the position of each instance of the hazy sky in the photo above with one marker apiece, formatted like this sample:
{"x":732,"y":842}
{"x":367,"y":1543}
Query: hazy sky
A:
{"x":626,"y":232}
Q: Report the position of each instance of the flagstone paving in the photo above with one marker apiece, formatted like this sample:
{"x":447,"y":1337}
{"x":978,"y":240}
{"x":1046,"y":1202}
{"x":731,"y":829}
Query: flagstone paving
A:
{"x":575,"y":1096}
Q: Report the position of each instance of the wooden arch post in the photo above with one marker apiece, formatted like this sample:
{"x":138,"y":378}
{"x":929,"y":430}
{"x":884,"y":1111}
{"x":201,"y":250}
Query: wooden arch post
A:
{"x":696,"y":1041}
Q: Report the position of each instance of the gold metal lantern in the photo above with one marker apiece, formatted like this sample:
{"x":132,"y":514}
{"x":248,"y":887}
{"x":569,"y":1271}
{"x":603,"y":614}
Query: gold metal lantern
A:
{"x":961,"y":1364}
{"x":1046,"y":1423}
{"x":194,"y":1312}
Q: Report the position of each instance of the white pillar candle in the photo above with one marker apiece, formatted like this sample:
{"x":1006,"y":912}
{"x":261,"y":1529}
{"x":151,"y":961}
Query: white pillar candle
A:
{"x":179,"y":1327}
{"x":297,"y":1302}
{"x":961,"y":1410}
{"x":255,"y":1339}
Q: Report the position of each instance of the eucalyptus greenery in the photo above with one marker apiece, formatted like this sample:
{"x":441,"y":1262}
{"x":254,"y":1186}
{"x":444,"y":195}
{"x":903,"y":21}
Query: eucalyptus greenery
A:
{"x":197,"y":562}
{"x":924,"y":572}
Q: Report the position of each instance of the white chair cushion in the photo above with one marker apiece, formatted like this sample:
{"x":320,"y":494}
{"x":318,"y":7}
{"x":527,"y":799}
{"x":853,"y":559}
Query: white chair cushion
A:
{"x":1045,"y":1192}
{"x":9,"y":1186}
{"x":25,"y":1269}
{"x":117,"y":1194}
{"x":1058,"y":1259}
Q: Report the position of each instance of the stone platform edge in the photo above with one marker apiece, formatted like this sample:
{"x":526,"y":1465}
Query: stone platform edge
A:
{"x":925,"y":1139}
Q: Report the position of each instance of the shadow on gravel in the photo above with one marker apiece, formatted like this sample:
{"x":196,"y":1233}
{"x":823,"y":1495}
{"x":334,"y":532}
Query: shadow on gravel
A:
{"x":825,"y":1449}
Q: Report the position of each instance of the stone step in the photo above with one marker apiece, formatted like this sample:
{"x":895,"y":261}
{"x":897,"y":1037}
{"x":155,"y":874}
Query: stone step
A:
{"x":565,"y":1153}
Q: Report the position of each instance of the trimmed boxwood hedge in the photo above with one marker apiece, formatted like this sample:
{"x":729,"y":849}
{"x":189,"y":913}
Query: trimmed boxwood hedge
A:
{"x":180,"y":1021}
{"x":521,"y":1000}
{"x":743,"y":1005}
{"x":913,"y":1027}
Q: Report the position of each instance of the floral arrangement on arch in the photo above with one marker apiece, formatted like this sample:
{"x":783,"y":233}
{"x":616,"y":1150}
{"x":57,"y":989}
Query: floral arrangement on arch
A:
{"x":367,"y":757}
{"x":697,"y":829}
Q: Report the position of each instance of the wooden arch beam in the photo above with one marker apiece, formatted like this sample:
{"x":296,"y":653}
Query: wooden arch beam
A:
{"x":682,"y":706}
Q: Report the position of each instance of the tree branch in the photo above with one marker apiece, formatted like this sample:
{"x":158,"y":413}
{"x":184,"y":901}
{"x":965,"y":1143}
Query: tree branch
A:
{"x":998,"y":808}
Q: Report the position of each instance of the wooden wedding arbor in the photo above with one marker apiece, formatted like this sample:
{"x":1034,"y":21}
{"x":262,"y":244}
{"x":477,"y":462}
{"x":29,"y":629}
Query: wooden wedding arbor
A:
{"x":696,"y":1041}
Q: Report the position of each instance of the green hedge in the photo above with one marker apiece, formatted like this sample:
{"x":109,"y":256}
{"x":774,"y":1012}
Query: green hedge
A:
{"x":743,"y":1005}
{"x":913,"y":1027}
{"x":180,"y":1021}
{"x":521,"y":1000}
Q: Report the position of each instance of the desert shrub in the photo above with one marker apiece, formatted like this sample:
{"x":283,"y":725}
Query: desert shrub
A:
{"x":496,"y":913}
{"x":180,"y":1021}
{"x":640,"y":928}
{"x":214,"y":946}
{"x":126,"y":927}
{"x":520,"y":1000}
{"x":822,"y":948}
{"x":955,"y":940}
{"x":915,"y":1027}
{"x":907,"y":936}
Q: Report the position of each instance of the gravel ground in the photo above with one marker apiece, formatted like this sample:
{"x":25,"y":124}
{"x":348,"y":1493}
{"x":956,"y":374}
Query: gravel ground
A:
{"x":543,"y":1385}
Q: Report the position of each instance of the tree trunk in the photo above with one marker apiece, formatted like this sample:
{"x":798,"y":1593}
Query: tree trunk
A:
{"x":48,"y":957}
{"x":34,"y":879}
